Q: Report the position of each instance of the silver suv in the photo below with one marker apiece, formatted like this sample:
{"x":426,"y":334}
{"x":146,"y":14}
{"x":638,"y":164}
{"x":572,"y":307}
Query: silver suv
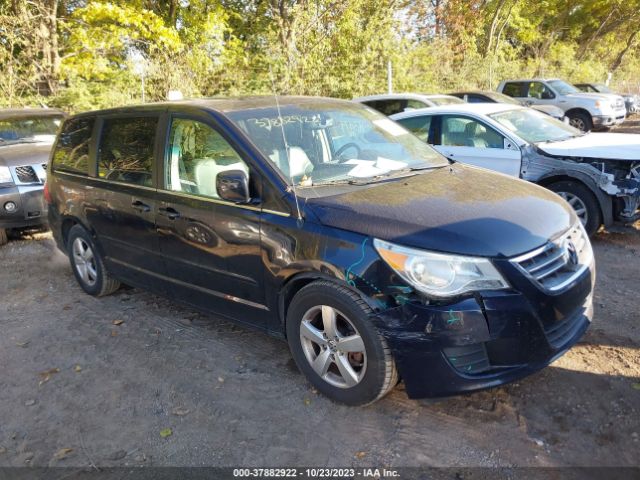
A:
{"x":584,"y":110}
{"x":26,"y":136}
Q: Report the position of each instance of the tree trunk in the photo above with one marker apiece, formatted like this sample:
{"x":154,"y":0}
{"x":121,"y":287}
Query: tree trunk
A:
{"x":494,"y":25}
{"x":630,"y":42}
{"x":48,"y":33}
{"x":585,"y":46}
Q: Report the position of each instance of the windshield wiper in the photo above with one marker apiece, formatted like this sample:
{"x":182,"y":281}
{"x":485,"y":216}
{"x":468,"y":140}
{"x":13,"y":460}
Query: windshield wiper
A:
{"x":405,"y":172}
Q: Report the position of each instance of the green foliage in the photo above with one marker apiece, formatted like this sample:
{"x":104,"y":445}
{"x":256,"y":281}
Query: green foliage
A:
{"x":93,"y":54}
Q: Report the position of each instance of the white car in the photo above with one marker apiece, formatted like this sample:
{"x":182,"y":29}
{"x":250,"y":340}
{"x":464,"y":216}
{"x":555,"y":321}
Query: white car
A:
{"x":391,"y":103}
{"x":597,"y":173}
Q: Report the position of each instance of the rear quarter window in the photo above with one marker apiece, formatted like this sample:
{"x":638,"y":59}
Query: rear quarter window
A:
{"x":72,"y":149}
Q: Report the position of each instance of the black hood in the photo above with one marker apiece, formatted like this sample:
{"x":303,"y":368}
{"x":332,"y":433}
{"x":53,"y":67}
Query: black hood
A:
{"x":16,"y":154}
{"x":455,"y":209}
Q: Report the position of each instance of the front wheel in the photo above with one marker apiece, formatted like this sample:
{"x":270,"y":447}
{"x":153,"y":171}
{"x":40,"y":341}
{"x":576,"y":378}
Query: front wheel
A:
{"x":581,"y":121}
{"x":335,"y":345}
{"x":583,"y":202}
{"x":87,"y":264}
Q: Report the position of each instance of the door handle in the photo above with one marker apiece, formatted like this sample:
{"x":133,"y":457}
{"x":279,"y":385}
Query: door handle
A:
{"x":140,"y":206}
{"x":170,"y":213}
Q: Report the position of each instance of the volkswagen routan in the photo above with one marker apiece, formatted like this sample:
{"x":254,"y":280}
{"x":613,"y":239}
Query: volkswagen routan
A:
{"x":324,"y":223}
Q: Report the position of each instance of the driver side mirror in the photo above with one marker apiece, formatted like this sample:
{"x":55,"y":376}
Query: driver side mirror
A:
{"x":233,"y":186}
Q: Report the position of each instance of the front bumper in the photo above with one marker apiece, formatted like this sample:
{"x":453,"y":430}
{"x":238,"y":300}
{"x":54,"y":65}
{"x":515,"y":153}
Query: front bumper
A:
{"x":610,"y":120}
{"x":31,"y":210}
{"x":486,"y":341}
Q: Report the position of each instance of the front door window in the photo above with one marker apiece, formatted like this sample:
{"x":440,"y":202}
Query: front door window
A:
{"x":197,"y":154}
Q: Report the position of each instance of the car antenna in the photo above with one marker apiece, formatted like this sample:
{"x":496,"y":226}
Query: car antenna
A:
{"x":292,"y":188}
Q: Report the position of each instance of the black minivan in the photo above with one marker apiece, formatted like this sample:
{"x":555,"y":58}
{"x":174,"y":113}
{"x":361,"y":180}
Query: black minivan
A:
{"x":323,"y":222}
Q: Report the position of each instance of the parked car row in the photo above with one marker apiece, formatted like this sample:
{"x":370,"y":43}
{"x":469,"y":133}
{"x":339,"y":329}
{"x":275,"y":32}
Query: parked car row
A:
{"x":597,"y":173}
{"x":366,"y":242}
{"x":599,"y":108}
{"x":584,"y":110}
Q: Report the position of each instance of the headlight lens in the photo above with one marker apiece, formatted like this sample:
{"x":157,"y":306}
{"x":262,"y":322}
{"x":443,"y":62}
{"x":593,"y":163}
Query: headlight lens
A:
{"x":438,"y":274}
{"x":5,"y":175}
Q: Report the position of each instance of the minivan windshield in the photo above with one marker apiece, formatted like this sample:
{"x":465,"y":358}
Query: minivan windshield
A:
{"x":316,"y":143}
{"x":562,"y":87}
{"x":534,"y":126}
{"x":29,"y":129}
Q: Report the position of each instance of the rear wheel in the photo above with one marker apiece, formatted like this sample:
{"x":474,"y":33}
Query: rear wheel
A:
{"x":581,"y":121}
{"x":87,"y":264}
{"x":3,"y":237}
{"x":335,"y":345}
{"x":583,"y":202}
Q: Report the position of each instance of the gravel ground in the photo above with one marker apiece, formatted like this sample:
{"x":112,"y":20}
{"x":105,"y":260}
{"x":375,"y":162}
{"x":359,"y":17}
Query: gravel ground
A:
{"x":133,"y":379}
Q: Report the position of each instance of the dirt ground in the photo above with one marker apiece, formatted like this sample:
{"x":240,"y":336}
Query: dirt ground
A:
{"x":133,"y":379}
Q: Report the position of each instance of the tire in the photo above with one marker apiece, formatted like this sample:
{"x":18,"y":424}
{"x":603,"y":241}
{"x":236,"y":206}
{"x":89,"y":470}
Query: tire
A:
{"x":3,"y":237}
{"x":581,"y":199}
{"x":353,"y":377}
{"x":581,"y":121}
{"x":87,"y":265}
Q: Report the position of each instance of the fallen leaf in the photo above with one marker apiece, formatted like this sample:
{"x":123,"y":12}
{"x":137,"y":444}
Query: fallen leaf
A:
{"x":118,"y":322}
{"x":360,"y":454}
{"x":62,"y":453}
{"x":114,"y":333}
{"x":78,"y":368}
{"x":22,"y":344}
{"x":635,"y":386}
{"x":46,"y":375}
{"x":67,"y":307}
{"x":166,"y":432}
{"x":307,"y":402}
{"x":180,"y":411}
{"x":221,"y":380}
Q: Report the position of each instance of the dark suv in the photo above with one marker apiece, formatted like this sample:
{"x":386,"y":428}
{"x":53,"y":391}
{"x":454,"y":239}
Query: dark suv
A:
{"x":26,"y":136}
{"x":323,"y":222}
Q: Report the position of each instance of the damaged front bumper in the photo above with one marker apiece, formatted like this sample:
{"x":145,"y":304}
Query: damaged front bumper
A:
{"x":484,"y":341}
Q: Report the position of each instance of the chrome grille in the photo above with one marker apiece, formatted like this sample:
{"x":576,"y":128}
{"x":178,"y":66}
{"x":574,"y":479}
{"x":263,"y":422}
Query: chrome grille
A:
{"x":556,"y":264}
{"x":26,"y":174}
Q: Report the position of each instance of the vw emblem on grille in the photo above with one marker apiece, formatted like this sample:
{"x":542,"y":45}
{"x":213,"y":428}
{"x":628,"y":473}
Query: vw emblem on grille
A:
{"x":572,"y":253}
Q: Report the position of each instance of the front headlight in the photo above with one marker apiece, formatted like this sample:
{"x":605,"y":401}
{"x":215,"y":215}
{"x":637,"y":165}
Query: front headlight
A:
{"x":5,"y":175}
{"x":438,"y":274}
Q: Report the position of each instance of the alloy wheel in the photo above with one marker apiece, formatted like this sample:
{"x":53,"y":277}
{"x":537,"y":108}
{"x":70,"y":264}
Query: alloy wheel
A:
{"x":333,"y":346}
{"x":85,"y":262}
{"x":578,"y":123}
{"x":578,"y":206}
